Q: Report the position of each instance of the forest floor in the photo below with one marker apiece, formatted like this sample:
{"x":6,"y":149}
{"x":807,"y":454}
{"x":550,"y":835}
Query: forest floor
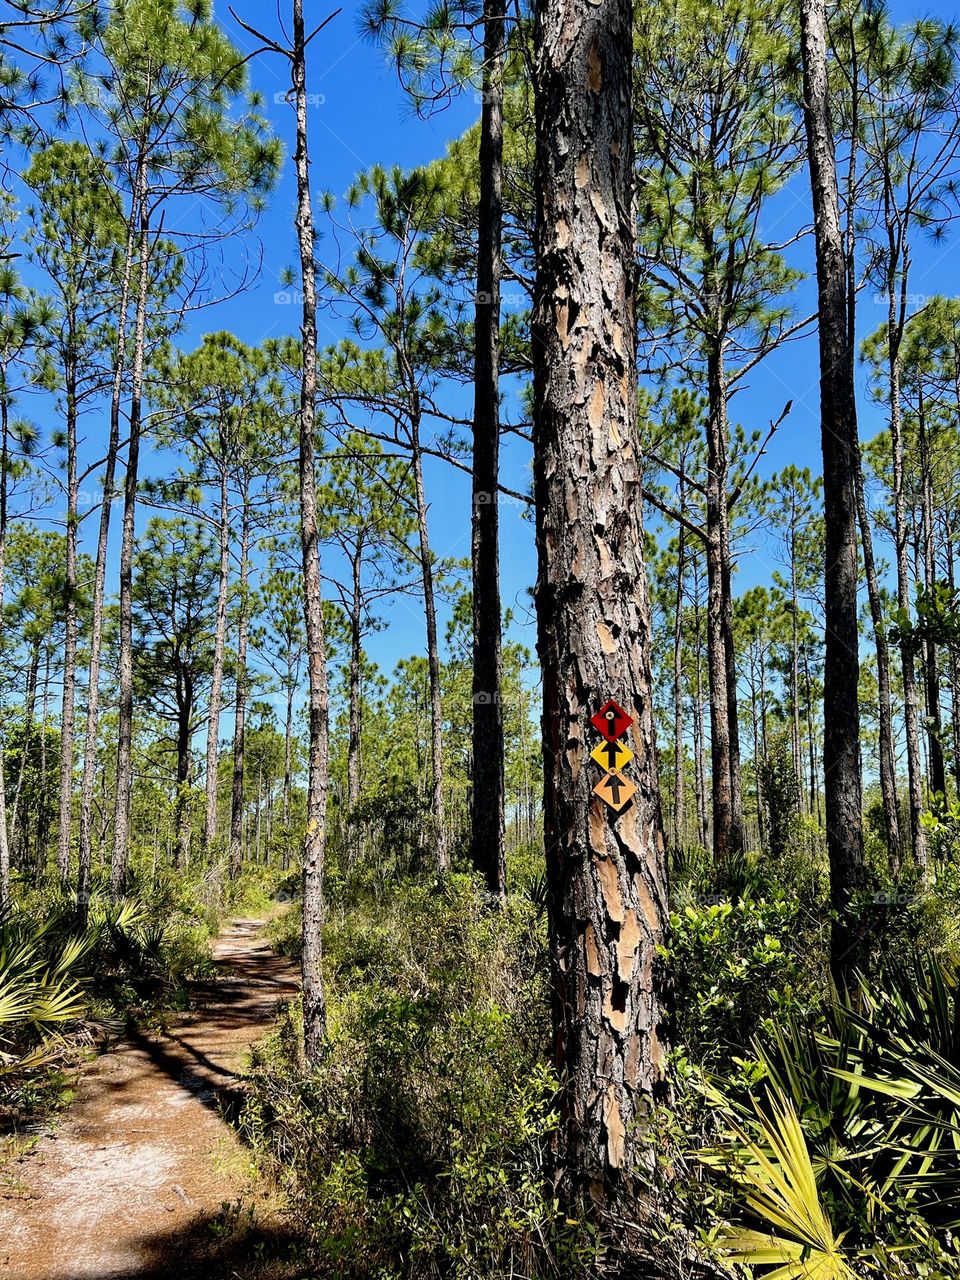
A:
{"x":145,"y":1177}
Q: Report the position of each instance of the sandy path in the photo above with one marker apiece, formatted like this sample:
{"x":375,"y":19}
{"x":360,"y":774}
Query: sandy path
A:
{"x":134,"y":1181}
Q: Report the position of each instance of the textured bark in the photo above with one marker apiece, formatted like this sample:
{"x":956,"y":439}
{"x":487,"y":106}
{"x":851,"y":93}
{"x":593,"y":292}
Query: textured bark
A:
{"x":240,"y":704}
{"x":488,"y":847}
{"x":841,"y":744}
{"x":724,"y":736}
{"x":87,"y":785}
{"x":314,"y":844}
{"x":64,"y":842}
{"x":607,"y":878}
{"x":437,"y":807}
{"x":124,"y":782}
{"x":219,"y":652}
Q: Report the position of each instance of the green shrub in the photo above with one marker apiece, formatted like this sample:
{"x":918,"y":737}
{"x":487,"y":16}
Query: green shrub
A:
{"x":735,"y":965}
{"x":418,"y":1149}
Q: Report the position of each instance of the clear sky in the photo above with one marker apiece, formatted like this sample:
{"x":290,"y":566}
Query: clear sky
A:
{"x":359,"y":117}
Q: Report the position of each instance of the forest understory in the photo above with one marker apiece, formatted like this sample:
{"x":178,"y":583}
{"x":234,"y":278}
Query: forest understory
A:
{"x":479,"y":640}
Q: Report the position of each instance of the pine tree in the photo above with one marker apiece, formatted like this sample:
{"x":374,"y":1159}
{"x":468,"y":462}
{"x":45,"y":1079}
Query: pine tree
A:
{"x":606,"y":872}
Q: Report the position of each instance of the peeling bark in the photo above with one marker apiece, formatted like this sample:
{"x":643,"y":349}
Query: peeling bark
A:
{"x":606,"y":873}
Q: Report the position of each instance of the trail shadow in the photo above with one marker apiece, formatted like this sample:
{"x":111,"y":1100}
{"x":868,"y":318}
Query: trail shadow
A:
{"x":216,"y":1246}
{"x":200,"y":1054}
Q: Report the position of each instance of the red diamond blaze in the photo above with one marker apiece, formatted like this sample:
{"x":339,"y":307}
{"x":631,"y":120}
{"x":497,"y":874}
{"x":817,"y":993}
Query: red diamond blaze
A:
{"x":611,"y":721}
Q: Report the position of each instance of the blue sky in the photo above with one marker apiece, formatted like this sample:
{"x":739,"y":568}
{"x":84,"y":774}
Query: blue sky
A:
{"x":359,"y":117}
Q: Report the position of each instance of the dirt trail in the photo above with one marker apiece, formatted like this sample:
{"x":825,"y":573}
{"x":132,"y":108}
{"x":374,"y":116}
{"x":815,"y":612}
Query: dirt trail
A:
{"x":134,"y":1181}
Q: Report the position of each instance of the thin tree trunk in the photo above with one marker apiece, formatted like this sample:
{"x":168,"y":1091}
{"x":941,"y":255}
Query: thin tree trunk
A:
{"x":937,"y":769}
{"x":237,"y":799}
{"x":314,"y":847}
{"x":287,"y":770}
{"x":699,"y":745}
{"x":438,"y":811}
{"x":64,"y":842}
{"x":43,"y":811}
{"x":757,"y":770}
{"x":4,"y":516}
{"x":841,"y":747}
{"x":606,"y":871}
{"x":488,"y":839}
{"x":354,"y":676}
{"x":727,"y":823}
{"x":124,"y":783}
{"x":888,"y":773}
{"x":954,"y":658}
{"x":211,"y":787}
{"x":678,"y":797}
{"x":886,"y":752}
{"x":88,"y":782}
{"x":811,"y":740}
{"x":18,"y":838}
{"x":181,"y":854}
{"x":795,"y":654}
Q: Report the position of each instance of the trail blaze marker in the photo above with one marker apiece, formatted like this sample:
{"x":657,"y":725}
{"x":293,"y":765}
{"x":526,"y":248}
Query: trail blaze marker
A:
{"x":612,"y":756}
{"x":611,"y":721}
{"x":616,"y":790}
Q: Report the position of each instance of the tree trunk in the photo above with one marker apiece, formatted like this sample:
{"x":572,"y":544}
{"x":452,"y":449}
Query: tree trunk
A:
{"x":438,"y":813}
{"x":606,"y":872}
{"x":699,"y":746}
{"x":70,"y":636}
{"x":888,"y":772}
{"x":727,"y":822}
{"x":124,"y":784}
{"x":795,"y":654}
{"x":678,"y":841}
{"x":911,"y":703}
{"x":237,"y":798}
{"x":841,"y":745}
{"x":42,"y":827}
{"x":287,"y":769}
{"x":211,"y":787}
{"x":937,"y":770}
{"x":885,"y":751}
{"x":488,"y":839}
{"x":18,"y":838}
{"x":4,"y":515}
{"x":356,"y":660}
{"x":954,"y":666}
{"x":314,"y":845}
{"x":88,"y":782}
{"x":182,"y":813}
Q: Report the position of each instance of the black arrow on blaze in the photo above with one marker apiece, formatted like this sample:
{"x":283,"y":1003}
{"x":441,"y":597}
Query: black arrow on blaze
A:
{"x":614,"y":785}
{"x":611,"y":748}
